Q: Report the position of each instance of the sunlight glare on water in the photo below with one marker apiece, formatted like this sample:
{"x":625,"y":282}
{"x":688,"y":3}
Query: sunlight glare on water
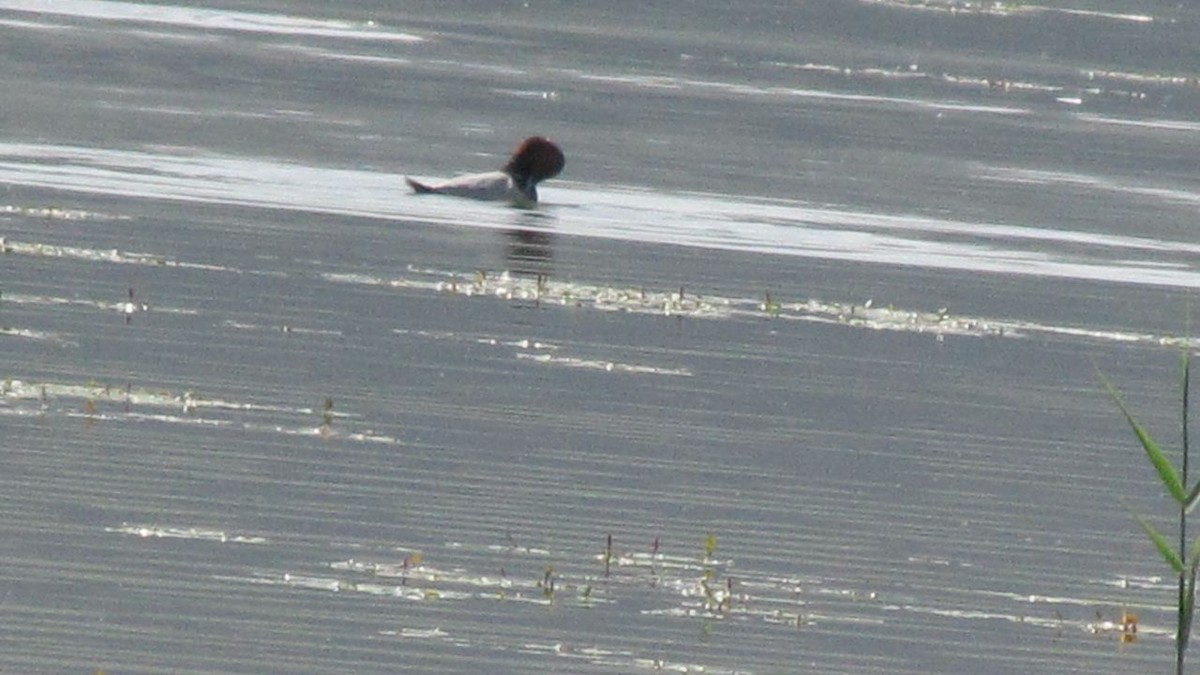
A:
{"x":205,"y":19}
{"x":722,"y":222}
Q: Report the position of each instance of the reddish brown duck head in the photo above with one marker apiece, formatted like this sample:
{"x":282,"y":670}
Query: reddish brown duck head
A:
{"x":535,"y":160}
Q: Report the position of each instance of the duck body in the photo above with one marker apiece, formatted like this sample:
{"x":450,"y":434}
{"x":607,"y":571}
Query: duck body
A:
{"x":535,"y":159}
{"x":489,"y":186}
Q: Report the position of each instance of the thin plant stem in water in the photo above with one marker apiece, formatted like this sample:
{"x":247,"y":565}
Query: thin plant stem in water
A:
{"x":1187,"y":591}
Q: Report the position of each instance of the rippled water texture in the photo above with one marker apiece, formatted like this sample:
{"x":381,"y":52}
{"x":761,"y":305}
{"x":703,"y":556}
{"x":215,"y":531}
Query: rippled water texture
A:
{"x":794,"y":369}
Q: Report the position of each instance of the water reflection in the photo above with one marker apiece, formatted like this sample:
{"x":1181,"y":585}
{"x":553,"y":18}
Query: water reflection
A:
{"x":529,"y":247}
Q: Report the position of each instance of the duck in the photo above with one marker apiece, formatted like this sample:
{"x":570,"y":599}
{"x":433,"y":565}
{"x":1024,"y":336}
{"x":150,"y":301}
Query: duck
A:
{"x":535,"y":160}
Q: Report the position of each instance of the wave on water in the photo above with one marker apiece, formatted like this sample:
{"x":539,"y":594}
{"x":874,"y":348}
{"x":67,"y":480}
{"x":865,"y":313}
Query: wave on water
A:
{"x":703,"y":220}
{"x":208,"y":19}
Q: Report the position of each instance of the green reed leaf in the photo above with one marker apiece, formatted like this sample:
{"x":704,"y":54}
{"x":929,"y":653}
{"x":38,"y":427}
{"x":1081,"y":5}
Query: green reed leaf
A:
{"x":1160,"y":542}
{"x":1166,"y":471}
{"x":1193,"y":498}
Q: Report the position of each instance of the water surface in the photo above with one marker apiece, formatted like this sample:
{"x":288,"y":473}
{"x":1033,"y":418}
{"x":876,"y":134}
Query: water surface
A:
{"x":809,"y":327}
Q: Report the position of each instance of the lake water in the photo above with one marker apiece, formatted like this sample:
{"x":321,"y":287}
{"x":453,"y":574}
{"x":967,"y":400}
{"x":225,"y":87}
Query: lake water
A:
{"x":793,"y":369}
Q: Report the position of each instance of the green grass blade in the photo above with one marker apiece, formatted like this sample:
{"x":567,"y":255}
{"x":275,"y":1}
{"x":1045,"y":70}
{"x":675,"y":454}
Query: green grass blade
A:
{"x":1166,"y":471}
{"x":1193,"y":498}
{"x":1160,"y":542}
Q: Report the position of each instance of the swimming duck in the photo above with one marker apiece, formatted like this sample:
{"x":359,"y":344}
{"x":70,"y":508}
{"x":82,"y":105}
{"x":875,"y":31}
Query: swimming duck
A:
{"x":534,"y":160}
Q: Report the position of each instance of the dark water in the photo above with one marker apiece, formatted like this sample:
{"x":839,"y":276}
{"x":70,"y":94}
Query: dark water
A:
{"x":809,"y":326}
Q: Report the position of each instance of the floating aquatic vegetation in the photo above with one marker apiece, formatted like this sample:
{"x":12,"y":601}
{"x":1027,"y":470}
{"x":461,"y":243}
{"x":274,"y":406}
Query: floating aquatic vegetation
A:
{"x":281,"y":328}
{"x":96,"y":402}
{"x":127,"y":307}
{"x":548,"y":353}
{"x":327,"y":417}
{"x":30,"y":334}
{"x":53,"y":213}
{"x":116,"y":256}
{"x":183,"y":532}
{"x":549,"y":294}
{"x":606,"y":366}
{"x":82,"y":253}
{"x":655,"y":584}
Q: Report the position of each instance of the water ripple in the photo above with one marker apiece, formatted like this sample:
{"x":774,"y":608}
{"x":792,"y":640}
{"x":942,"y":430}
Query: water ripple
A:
{"x":702,"y":220}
